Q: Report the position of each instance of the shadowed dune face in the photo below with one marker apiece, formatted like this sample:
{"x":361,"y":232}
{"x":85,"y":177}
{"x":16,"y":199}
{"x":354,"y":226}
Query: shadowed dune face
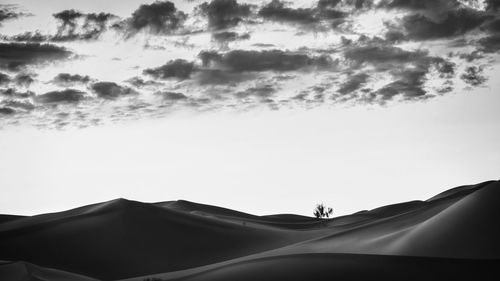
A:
{"x":120,"y":239}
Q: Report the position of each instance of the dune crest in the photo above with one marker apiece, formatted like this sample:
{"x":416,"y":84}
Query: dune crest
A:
{"x":456,"y":230}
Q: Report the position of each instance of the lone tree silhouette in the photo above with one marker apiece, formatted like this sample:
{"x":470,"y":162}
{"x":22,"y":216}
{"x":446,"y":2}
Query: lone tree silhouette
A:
{"x":322,"y":212}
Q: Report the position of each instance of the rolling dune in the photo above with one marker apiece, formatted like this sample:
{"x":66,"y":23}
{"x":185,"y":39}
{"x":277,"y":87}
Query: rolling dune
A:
{"x":451,"y":236}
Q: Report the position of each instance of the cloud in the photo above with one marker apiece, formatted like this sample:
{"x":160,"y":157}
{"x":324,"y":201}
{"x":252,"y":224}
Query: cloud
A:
{"x":179,"y":68}
{"x":409,"y":71}
{"x":450,"y":24}
{"x":14,"y":93}
{"x":70,"y":28}
{"x":14,"y":56}
{"x":434,"y":6}
{"x":22,"y":105}
{"x":490,"y":44}
{"x":277,"y":10}
{"x":66,"y":79}
{"x":207,"y":76}
{"x":326,"y":4}
{"x":9,"y":12}
{"x":262,"y":92}
{"x":24,"y":80}
{"x":409,"y":85}
{"x":172,"y":96}
{"x":139,"y":82}
{"x":64,"y":96}
{"x":160,"y":17}
{"x":4,"y":79}
{"x":111,"y":90}
{"x":353,"y":83}
{"x":266,"y":60}
{"x":29,"y":36}
{"x":223,"y":14}
{"x":382,"y":55}
{"x":7,"y":111}
{"x":228,"y":36}
{"x":473,"y":76}
{"x":492,"y":5}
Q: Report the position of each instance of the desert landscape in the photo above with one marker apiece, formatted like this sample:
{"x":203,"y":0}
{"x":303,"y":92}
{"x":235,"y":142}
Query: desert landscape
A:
{"x":451,"y":236}
{"x":249,"y":140}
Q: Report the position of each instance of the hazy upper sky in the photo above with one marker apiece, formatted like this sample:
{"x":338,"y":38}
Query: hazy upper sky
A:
{"x":261,"y":106}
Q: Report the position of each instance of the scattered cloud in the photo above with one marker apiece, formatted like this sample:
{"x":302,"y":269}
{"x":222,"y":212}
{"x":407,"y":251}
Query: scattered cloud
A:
{"x":229,"y":36}
{"x":15,"y":56}
{"x":222,"y":14}
{"x":70,"y":28}
{"x":159,"y":17}
{"x":474,"y":76}
{"x":240,"y":54}
{"x":353,"y":83}
{"x":278,"y":10}
{"x":64,"y":96}
{"x":111,"y":90}
{"x":9,"y":12}
{"x":266,"y":60}
{"x":179,"y":68}
{"x":66,"y":79}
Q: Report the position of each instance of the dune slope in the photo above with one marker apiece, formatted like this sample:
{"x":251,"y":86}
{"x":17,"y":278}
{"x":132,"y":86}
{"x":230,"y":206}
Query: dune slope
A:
{"x":453,"y":234}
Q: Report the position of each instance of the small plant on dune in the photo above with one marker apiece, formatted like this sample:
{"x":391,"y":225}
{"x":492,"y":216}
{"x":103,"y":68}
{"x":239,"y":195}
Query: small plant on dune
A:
{"x":322,"y":211}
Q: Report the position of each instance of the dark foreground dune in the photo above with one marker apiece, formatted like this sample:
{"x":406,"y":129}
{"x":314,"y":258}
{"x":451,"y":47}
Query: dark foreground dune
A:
{"x":454,"y":235}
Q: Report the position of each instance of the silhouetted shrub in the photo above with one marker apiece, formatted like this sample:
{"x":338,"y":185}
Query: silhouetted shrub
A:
{"x":322,"y":212}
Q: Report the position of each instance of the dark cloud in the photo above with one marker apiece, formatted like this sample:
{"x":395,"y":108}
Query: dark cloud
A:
{"x":66,"y":79}
{"x":111,"y":90}
{"x":23,"y":105}
{"x":474,"y":76}
{"x":68,"y":20}
{"x":179,"y":68}
{"x":492,"y":5}
{"x":276,"y":60}
{"x":262,"y":92}
{"x":28,"y":36}
{"x":360,"y":4}
{"x":4,"y":79}
{"x":409,"y":70}
{"x":7,"y":111}
{"x":277,"y":10}
{"x":490,"y":44}
{"x":228,"y":36}
{"x":139,"y":82}
{"x":209,"y":76}
{"x":453,"y":23}
{"x":160,"y":17}
{"x":172,"y":96}
{"x":353,"y":83}
{"x":382,"y":55}
{"x":14,"y":56}
{"x":64,"y":96}
{"x":14,"y":93}
{"x":24,"y":80}
{"x":70,"y":28}
{"x":326,"y":4}
{"x":222,"y":14}
{"x":409,"y":85}
{"x":9,"y":11}
{"x":421,"y":5}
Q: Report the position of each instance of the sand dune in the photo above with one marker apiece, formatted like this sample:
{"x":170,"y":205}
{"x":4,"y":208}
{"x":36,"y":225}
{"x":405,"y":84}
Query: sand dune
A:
{"x":453,"y":234}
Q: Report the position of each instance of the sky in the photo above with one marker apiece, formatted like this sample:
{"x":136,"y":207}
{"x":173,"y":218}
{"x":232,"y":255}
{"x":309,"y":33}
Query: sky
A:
{"x":260,"y":106}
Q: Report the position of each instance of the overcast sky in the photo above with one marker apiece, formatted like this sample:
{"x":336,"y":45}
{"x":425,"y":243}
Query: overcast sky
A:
{"x":260,"y":106}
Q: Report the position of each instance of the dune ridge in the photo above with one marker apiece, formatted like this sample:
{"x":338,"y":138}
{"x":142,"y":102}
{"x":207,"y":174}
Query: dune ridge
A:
{"x":455,"y":232}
